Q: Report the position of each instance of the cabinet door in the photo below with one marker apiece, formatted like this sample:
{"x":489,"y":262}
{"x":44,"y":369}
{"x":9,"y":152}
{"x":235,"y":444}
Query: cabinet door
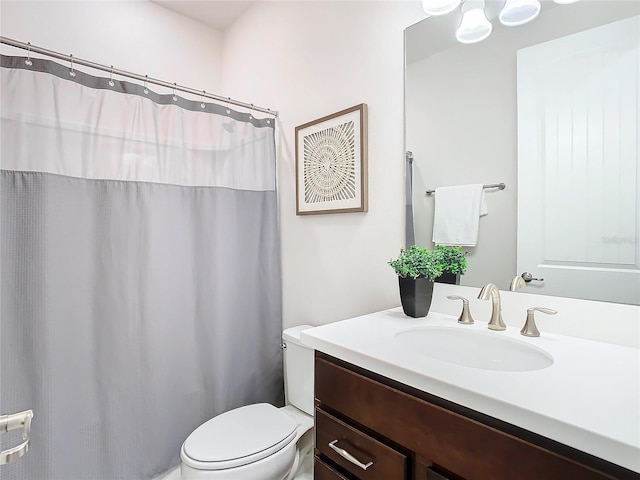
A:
{"x":433,"y":475}
{"x":322,"y":471}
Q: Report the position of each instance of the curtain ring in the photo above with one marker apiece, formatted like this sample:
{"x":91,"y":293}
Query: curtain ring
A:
{"x":251,"y":115}
{"x":28,"y":60}
{"x":72,"y":71}
{"x":175,"y":98}
{"x":228,"y":109}
{"x":146,"y":90}
{"x":111,"y":82}
{"x":268,"y":119}
{"x":202,"y":99}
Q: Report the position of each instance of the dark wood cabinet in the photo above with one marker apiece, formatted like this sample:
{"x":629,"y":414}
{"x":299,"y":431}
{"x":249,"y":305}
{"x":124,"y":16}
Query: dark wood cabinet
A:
{"x":407,"y":434}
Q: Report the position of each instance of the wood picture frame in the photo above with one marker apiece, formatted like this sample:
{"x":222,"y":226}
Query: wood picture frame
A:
{"x":331,"y":163}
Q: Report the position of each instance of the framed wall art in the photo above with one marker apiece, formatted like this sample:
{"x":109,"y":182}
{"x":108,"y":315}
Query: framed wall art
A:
{"x":331,"y":163}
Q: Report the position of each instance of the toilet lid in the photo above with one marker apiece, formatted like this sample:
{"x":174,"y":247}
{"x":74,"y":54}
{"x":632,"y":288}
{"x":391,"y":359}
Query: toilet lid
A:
{"x":241,"y":436}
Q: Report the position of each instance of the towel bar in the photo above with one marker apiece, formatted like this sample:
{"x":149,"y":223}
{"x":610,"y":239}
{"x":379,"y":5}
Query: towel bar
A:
{"x":499,"y":186}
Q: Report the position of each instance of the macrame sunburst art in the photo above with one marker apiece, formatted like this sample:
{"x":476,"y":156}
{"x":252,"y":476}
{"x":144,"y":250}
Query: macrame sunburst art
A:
{"x":329,"y":164}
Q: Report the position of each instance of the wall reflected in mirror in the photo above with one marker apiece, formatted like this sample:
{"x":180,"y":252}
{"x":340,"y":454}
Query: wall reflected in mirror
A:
{"x":462,"y":123}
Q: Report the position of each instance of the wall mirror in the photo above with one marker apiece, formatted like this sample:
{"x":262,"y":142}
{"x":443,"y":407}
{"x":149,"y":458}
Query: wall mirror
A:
{"x":462,"y":125}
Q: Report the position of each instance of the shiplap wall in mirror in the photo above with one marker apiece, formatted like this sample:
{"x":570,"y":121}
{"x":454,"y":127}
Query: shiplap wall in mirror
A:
{"x":577,"y":155}
{"x":461,"y":120}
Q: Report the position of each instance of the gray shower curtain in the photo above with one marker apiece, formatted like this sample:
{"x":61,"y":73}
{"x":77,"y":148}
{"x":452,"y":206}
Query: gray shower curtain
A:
{"x":140,"y":271}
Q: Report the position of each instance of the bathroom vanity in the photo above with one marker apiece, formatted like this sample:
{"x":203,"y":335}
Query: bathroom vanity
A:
{"x":385,"y":410}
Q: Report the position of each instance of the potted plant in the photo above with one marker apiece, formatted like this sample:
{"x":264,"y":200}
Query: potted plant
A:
{"x":417,"y":268}
{"x":454,"y":263}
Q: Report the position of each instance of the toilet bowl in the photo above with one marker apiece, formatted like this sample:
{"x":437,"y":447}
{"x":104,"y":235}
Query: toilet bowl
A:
{"x":258,"y":441}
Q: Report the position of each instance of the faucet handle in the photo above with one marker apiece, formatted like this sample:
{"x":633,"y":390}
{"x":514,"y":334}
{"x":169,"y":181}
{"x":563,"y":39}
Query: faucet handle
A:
{"x":529,"y":329}
{"x":465,"y":316}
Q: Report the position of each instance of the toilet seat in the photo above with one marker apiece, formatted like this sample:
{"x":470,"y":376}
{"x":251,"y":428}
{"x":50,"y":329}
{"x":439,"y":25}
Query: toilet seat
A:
{"x":239,"y":437}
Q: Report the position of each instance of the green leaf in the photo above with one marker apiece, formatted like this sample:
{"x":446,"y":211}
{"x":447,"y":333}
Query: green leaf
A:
{"x":419,"y":262}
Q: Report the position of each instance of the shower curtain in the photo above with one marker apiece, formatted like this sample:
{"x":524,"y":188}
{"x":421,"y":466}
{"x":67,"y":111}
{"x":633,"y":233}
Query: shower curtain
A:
{"x":140,"y":270}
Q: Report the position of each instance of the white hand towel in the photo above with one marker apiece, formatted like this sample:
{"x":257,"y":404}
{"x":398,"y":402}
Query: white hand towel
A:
{"x":456,"y":218}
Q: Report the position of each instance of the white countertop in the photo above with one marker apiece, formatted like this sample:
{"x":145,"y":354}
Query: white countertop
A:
{"x":588,"y":399}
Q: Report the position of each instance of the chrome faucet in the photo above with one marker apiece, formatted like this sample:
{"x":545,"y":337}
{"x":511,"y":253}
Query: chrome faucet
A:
{"x":516,"y":283}
{"x":491,"y":291}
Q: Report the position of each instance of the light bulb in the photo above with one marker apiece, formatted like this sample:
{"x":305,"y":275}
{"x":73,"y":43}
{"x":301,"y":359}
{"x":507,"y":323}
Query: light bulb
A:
{"x":474,"y":26}
{"x":519,"y":12}
{"x":439,"y":7}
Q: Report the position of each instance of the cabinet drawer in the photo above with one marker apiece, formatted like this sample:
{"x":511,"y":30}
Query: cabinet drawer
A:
{"x":347,"y":447}
{"x":322,"y":471}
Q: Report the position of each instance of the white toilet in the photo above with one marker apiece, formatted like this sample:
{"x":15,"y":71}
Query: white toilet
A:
{"x":259,"y":441}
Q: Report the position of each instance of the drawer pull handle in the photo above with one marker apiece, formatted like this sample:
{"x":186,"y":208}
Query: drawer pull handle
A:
{"x":346,"y":455}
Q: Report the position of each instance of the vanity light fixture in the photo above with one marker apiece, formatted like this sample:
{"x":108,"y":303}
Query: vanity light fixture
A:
{"x":519,"y":12}
{"x":474,"y":26}
{"x":439,"y":7}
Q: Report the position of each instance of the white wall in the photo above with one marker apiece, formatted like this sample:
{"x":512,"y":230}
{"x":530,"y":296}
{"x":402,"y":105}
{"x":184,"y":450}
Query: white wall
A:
{"x":308,"y":60}
{"x":138,"y":37}
{"x":461,"y":131}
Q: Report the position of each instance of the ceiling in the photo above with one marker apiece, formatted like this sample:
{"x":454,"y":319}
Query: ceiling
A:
{"x":218,"y":14}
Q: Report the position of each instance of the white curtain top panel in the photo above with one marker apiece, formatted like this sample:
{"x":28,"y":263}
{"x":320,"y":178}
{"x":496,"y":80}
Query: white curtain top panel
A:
{"x":56,"y":125}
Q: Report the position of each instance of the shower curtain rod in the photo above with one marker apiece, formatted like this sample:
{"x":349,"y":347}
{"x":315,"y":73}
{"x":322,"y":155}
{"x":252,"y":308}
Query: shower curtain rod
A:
{"x":142,"y":78}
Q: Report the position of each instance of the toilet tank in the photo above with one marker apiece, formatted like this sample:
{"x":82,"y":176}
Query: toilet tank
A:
{"x":298,"y":370}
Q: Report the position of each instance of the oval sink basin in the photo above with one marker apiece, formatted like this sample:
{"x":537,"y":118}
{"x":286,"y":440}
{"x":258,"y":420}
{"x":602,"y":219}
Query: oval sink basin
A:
{"x":477,"y":349}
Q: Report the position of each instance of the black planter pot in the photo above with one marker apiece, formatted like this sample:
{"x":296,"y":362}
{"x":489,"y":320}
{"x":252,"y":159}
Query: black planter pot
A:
{"x":450,"y":278}
{"x":415,"y":295}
